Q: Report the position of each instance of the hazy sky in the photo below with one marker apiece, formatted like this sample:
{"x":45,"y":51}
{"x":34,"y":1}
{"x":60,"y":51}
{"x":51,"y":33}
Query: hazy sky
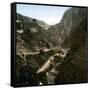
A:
{"x":49,"y":14}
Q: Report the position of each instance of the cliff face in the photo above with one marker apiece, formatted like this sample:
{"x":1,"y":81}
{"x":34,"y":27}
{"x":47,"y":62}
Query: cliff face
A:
{"x":71,"y":18}
{"x":74,"y":67}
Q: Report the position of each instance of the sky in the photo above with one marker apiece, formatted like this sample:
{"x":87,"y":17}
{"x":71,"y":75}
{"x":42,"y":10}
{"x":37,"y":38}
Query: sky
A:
{"x":49,"y":14}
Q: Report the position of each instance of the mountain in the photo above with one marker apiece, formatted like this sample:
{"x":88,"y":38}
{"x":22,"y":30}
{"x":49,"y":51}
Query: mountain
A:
{"x":36,"y":44}
{"x":32,"y":39}
{"x":74,"y":68}
{"x":43,"y":24}
{"x":31,"y":33}
{"x":71,"y":18}
{"x":29,"y":19}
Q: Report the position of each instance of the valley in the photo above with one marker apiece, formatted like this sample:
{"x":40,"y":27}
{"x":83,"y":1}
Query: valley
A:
{"x":38,"y":41}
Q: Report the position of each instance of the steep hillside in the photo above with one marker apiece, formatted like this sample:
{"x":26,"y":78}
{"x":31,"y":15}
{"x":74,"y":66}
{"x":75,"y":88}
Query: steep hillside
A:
{"x":31,"y":34}
{"x":71,"y":18}
{"x":33,"y":45}
{"x":74,"y":68}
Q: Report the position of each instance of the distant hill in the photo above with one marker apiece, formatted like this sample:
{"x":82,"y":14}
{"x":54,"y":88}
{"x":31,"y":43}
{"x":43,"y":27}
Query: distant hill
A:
{"x":29,"y":19}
